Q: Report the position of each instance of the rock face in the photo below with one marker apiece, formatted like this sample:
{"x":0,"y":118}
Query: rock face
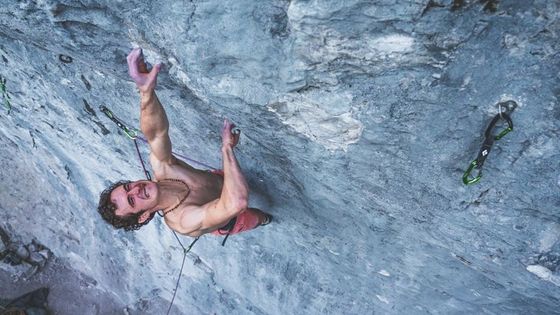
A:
{"x":358,"y":118}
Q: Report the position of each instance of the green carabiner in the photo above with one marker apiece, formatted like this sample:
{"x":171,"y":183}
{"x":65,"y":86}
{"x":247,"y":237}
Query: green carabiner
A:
{"x":504,"y":132}
{"x":129,"y":132}
{"x":473,"y":180}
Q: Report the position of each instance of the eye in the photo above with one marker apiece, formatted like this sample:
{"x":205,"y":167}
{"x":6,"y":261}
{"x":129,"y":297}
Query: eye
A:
{"x":131,"y":201}
{"x":126,"y":187}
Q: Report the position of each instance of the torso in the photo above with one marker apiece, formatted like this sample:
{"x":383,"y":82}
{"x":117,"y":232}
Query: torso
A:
{"x":204,"y":188}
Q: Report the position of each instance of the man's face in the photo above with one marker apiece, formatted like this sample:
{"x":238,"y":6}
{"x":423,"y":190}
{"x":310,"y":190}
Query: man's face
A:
{"x":134,"y":197}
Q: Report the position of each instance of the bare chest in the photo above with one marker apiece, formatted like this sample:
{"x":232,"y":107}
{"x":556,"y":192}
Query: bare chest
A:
{"x":203,"y":185}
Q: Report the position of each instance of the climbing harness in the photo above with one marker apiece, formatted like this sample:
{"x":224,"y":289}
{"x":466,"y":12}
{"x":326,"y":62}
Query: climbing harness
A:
{"x":228,"y":228}
{"x":505,"y":109}
{"x":5,"y":95}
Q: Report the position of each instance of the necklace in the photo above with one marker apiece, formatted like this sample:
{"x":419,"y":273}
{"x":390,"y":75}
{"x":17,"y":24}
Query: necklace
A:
{"x":184,"y":198}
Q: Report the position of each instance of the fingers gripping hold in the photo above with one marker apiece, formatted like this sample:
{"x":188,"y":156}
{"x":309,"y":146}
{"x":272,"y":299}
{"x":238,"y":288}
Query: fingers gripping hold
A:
{"x":230,"y":134}
{"x":132,"y":60}
{"x":137,"y":68}
{"x":155,"y":70}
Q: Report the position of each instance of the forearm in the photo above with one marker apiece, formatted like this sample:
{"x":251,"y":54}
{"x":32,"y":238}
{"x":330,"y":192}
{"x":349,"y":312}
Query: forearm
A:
{"x":235,"y":192}
{"x":153,"y":120}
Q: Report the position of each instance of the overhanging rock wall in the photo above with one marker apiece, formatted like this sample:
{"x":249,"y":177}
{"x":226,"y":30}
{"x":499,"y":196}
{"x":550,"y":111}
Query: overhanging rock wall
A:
{"x":359,"y":119}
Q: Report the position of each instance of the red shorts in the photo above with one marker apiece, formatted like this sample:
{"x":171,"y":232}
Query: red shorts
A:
{"x":246,"y":220}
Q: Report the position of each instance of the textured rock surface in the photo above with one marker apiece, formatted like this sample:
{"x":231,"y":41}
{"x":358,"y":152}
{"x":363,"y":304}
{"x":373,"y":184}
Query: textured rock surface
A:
{"x":358,"y":118}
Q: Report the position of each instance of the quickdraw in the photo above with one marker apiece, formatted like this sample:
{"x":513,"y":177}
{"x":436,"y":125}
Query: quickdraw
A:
{"x":505,"y":108}
{"x":129,"y":132}
{"x":134,"y":134}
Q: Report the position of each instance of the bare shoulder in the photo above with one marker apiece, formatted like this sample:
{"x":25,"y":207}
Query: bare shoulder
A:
{"x":163,"y":168}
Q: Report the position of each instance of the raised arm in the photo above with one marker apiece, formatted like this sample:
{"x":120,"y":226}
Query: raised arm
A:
{"x":235,"y":192}
{"x":153,"y":120}
{"x":233,"y":199}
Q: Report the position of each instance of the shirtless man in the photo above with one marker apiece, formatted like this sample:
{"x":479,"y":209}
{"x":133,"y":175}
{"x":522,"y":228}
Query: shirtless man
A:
{"x":193,"y":202}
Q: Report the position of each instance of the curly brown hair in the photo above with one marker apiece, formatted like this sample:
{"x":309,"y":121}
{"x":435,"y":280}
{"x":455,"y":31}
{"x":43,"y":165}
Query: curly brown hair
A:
{"x":107,"y":210}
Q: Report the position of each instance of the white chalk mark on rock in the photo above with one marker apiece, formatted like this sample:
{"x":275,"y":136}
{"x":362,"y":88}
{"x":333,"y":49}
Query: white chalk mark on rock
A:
{"x":333,"y":131}
{"x":544,"y":273}
{"x":382,"y":299}
{"x":384,"y":272}
{"x":393,"y":43}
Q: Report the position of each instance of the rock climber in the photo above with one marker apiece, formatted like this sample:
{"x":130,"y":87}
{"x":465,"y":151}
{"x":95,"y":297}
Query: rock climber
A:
{"x":193,"y":202}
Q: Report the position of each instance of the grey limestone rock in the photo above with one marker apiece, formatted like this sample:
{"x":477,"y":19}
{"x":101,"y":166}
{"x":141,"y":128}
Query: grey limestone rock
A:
{"x":358,"y":120}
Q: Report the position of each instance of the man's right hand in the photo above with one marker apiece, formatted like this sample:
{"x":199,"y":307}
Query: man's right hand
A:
{"x":145,"y":80}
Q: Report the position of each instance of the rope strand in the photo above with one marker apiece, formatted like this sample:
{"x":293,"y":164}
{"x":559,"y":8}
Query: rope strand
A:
{"x":185,"y":251}
{"x":148,"y":176}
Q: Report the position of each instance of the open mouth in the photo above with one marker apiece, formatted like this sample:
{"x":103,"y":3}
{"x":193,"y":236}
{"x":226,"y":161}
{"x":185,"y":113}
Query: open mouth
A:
{"x":142,"y":193}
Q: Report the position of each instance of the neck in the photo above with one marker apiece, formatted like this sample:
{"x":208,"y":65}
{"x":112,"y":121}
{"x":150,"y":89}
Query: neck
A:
{"x":173,"y":192}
